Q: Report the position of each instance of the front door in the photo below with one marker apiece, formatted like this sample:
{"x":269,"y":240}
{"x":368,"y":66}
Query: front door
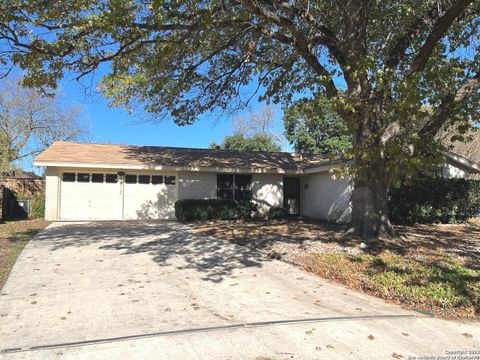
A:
{"x":291,"y":195}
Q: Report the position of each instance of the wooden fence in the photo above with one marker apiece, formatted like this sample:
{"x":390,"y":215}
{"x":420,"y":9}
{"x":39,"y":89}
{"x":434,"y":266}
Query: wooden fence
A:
{"x":25,"y":188}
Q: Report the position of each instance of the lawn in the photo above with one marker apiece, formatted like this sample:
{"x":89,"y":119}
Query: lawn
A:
{"x":432,"y":269}
{"x":14,"y":235}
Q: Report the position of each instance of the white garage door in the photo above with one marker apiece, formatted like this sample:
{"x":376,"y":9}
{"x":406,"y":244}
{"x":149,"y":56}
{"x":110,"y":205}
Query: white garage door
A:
{"x":149,"y":197}
{"x":87,"y":196}
{"x":103,"y":196}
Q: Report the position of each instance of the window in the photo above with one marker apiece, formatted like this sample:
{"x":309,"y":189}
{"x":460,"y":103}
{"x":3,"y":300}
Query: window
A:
{"x":97,"y":178}
{"x":144,"y":179}
{"x":234,"y":187}
{"x":225,"y":186}
{"x":170,"y":180}
{"x":131,"y":179}
{"x":157,"y":179}
{"x":81,"y":177}
{"x":69,"y":177}
{"x":243,"y":187}
{"x":111,"y":178}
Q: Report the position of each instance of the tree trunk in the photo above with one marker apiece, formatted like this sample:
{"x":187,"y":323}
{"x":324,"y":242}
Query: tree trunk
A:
{"x":371,"y":181}
{"x":369,"y":201}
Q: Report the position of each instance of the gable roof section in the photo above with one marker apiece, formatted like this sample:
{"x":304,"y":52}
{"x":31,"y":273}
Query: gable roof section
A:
{"x":75,"y":154}
{"x":462,"y":162}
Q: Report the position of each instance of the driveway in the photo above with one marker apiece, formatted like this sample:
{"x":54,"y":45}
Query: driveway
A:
{"x":157,"y":290}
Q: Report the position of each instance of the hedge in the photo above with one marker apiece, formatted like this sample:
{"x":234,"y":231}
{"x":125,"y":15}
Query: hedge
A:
{"x":428,"y":200}
{"x":210,"y":209}
{"x":277,"y":213}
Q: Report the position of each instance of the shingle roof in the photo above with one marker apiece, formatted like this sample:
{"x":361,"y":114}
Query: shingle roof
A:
{"x":88,"y":153}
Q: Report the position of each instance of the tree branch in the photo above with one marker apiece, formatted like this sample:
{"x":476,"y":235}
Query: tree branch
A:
{"x":444,"y":111}
{"x":438,"y":31}
{"x":300,"y":42}
{"x":398,"y":52}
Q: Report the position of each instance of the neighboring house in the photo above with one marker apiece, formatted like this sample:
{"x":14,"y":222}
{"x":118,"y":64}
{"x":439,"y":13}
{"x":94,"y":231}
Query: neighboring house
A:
{"x":106,"y":182}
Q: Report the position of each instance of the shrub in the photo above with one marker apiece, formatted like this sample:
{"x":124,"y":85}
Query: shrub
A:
{"x":38,"y":206}
{"x":277,"y":213}
{"x":198,"y":210}
{"x":427,"y":200}
{"x":246,"y":209}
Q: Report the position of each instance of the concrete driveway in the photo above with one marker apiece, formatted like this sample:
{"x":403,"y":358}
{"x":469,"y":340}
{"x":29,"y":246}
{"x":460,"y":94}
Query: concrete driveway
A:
{"x":157,"y":290}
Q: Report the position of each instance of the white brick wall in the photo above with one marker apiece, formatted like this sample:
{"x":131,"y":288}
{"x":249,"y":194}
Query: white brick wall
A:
{"x":449,"y":172}
{"x":267,"y":191}
{"x":325,"y":198}
{"x":51,"y":193}
{"x":197,"y":185}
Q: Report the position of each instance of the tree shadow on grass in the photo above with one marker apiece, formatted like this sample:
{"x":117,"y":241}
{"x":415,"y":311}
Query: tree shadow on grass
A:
{"x":437,"y":277}
{"x":168,"y":244}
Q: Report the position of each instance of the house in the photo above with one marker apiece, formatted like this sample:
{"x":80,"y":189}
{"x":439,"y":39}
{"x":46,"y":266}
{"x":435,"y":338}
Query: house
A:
{"x":120,"y":182}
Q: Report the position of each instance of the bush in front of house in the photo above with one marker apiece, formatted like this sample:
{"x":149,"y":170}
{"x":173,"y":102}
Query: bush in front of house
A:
{"x":277,"y":213}
{"x":211,"y":209}
{"x":428,"y":200}
{"x":246,"y":209}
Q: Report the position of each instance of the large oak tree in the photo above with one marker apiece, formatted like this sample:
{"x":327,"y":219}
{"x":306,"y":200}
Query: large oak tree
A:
{"x":395,"y":71}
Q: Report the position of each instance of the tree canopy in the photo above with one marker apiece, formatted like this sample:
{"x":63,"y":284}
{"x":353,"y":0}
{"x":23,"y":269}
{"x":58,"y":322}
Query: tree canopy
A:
{"x":313,"y":127}
{"x":240,"y":142}
{"x":397,"y":72}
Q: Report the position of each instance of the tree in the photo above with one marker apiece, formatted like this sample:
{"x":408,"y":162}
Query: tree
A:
{"x":254,"y":132}
{"x":30,"y":122}
{"x":312,"y":126}
{"x":238,"y":141}
{"x":261,"y":122}
{"x":379,"y":63}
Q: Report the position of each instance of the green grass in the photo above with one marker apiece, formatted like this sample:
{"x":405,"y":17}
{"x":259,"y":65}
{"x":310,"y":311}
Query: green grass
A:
{"x":14,"y":236}
{"x":9,"y":255}
{"x":444,"y":286}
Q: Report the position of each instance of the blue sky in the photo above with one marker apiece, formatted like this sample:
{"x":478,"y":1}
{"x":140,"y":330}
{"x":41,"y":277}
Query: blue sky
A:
{"x":115,"y":125}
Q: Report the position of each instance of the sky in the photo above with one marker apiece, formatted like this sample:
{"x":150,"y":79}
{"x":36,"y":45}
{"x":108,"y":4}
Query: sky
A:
{"x":115,"y":125}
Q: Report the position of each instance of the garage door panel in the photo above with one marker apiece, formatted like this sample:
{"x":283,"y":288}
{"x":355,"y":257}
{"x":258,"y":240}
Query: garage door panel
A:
{"x":120,"y":200}
{"x":149,"y":201}
{"x":85,"y":201}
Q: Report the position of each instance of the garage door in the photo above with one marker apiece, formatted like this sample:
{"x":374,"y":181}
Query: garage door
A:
{"x":86,"y":196}
{"x":149,"y":197}
{"x":103,"y":196}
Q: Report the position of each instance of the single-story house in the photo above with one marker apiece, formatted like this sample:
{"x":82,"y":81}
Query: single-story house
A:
{"x":86,"y":181}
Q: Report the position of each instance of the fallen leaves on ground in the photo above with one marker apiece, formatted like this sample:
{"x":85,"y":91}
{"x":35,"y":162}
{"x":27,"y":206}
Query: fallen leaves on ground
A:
{"x":430,"y":268}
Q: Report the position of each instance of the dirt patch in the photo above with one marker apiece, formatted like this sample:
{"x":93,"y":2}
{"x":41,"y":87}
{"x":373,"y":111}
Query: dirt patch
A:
{"x":431,"y":268}
{"x":14,"y":235}
{"x":284,"y":239}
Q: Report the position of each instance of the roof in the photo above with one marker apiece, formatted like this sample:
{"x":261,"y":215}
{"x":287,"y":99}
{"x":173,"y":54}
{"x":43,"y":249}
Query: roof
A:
{"x":63,"y":153}
{"x":462,"y":162}
{"x":469,"y":150}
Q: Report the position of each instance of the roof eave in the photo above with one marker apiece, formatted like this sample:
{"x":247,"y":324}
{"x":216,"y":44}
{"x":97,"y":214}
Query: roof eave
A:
{"x":68,"y":164}
{"x":470,"y":165}
{"x":327,"y":167}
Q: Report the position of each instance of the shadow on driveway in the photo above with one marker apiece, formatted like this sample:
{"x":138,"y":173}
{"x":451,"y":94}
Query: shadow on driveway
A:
{"x":213,"y":257}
